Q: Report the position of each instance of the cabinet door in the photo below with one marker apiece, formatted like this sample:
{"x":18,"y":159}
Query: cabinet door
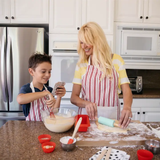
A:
{"x":5,"y":7}
{"x":29,"y":11}
{"x":129,"y":10}
{"x":65,"y":16}
{"x":136,"y":114}
{"x":100,"y":11}
{"x":152,"y":11}
{"x":150,"y":114}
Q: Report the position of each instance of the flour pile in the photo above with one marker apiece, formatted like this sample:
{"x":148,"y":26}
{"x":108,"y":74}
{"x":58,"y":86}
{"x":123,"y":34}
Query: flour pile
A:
{"x":137,"y":132}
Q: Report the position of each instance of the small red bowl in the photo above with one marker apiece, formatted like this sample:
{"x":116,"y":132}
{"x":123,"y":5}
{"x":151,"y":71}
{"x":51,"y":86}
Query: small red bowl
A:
{"x":144,"y":154}
{"x":84,"y":124}
{"x":48,"y":147}
{"x":44,"y":138}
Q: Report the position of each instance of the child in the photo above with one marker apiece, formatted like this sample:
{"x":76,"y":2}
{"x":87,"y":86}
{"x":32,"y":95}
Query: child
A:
{"x":35,"y":96}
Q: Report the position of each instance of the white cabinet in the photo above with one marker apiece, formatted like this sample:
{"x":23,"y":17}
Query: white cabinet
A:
{"x":100,"y":11}
{"x":65,"y":16}
{"x":24,"y":11}
{"x":145,"y":110}
{"x":146,"y":11}
{"x":68,"y":16}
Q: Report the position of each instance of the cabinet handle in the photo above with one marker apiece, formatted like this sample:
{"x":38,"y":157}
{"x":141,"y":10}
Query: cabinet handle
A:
{"x":78,"y":28}
{"x":143,"y":112}
{"x":147,"y":17}
{"x":141,"y":17}
{"x":121,"y":103}
{"x":12,"y":17}
{"x":138,"y":112}
{"x":6,"y":17}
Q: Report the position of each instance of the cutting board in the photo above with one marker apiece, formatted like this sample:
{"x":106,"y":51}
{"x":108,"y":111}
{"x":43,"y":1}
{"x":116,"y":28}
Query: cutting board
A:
{"x":136,"y":136}
{"x":107,"y":143}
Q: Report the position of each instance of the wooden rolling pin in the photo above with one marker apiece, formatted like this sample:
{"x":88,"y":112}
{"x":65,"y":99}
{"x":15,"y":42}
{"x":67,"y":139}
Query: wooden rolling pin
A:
{"x":108,"y":122}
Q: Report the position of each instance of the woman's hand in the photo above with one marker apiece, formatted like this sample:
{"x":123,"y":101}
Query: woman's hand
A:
{"x":50,"y":100}
{"x":125,"y":118}
{"x":91,"y":109}
{"x":126,"y":113}
{"x":60,"y":91}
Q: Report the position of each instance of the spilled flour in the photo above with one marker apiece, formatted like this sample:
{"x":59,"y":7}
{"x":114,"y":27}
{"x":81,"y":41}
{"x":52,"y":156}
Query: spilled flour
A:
{"x":137,"y":132}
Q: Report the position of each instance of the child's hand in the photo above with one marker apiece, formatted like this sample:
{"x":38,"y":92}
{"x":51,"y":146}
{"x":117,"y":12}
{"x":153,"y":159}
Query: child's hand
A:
{"x":51,"y":100}
{"x":60,"y":91}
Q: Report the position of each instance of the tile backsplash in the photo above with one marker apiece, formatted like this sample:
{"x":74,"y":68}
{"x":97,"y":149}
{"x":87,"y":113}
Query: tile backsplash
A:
{"x":151,"y":78}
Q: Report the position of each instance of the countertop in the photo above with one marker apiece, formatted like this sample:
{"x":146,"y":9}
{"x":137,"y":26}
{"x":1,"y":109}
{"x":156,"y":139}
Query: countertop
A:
{"x":19,"y":140}
{"x":146,"y":93}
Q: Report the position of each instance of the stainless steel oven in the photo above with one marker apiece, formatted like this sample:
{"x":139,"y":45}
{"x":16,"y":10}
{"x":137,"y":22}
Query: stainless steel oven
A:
{"x":136,"y":84}
{"x":64,"y":60}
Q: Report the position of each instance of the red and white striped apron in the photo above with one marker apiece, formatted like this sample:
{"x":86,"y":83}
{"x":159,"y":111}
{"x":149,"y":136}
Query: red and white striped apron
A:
{"x":104,"y":93}
{"x":36,"y":107}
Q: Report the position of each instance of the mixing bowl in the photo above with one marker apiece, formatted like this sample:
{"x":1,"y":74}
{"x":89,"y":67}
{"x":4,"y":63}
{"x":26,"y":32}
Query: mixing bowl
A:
{"x":65,"y":146}
{"x":153,"y":146}
{"x":63,"y":121}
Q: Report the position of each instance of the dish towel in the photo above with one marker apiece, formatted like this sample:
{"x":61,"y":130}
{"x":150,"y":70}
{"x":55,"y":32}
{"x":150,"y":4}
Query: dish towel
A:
{"x":114,"y":155}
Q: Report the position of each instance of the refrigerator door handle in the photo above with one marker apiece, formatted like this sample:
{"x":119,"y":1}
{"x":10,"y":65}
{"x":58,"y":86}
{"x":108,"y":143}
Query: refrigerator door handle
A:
{"x":9,"y":69}
{"x":12,"y":117}
{"x":3,"y":70}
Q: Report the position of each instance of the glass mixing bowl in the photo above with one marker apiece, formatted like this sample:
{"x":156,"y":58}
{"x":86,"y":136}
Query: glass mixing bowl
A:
{"x":63,"y":121}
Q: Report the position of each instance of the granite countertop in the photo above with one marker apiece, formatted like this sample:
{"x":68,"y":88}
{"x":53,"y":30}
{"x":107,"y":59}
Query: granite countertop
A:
{"x":147,"y":93}
{"x":19,"y":140}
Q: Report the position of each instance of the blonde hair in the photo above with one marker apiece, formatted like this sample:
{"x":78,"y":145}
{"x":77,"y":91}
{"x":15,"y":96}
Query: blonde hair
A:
{"x":92,"y":34}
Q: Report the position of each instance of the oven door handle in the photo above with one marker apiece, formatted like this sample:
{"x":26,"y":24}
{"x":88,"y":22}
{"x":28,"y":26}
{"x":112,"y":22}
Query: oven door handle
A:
{"x":65,"y":54}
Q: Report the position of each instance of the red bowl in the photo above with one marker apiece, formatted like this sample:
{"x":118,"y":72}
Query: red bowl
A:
{"x":84,"y":124}
{"x":48,"y":147}
{"x":44,"y":138}
{"x":144,"y":154}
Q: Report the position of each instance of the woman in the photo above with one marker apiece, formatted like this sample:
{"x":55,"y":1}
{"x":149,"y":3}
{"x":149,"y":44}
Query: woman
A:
{"x":100,"y":76}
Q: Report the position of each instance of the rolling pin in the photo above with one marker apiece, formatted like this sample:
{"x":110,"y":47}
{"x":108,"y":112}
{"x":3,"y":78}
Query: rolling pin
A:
{"x":108,"y":122}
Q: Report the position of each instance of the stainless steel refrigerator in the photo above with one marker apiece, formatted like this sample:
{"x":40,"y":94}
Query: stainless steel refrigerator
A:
{"x":17,"y":44}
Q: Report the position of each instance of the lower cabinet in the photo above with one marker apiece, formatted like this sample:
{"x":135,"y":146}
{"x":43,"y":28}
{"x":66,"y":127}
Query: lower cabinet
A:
{"x":145,"y":110}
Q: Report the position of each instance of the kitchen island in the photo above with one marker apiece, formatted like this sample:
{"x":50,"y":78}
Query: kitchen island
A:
{"x":19,"y":140}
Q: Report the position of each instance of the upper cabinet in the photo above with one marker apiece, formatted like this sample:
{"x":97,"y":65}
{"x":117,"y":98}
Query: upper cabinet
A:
{"x":65,"y":16}
{"x":139,"y":11}
{"x":24,"y":11}
{"x":68,"y":16}
{"x":100,"y":11}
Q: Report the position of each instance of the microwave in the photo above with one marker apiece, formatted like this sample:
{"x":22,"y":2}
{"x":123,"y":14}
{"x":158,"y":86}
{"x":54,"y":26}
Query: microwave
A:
{"x":138,"y":45}
{"x":139,"y":41}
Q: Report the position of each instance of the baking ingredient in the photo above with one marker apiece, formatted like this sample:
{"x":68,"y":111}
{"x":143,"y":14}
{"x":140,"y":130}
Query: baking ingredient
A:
{"x":137,"y":132}
{"x":113,"y":142}
{"x":64,"y":140}
{"x":156,"y":131}
{"x":60,"y":123}
{"x":44,"y":138}
{"x":47,"y":147}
